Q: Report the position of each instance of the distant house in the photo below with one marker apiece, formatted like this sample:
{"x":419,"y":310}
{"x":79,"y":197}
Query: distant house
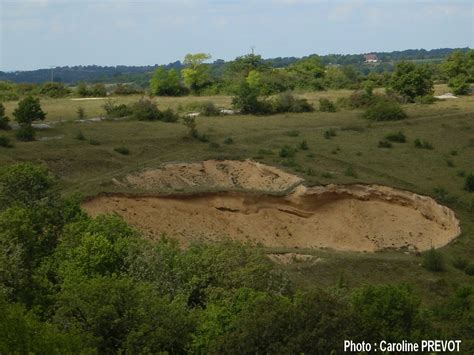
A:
{"x":371,"y":58}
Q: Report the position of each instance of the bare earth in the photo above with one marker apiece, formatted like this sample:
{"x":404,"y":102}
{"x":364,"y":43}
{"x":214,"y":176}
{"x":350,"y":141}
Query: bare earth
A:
{"x":352,"y":217}
{"x":213,"y":174}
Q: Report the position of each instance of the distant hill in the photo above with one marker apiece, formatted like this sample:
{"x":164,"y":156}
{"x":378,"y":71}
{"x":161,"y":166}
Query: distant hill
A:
{"x":141,"y":74}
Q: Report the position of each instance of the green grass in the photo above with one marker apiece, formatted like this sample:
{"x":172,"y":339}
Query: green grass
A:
{"x":448,"y":125}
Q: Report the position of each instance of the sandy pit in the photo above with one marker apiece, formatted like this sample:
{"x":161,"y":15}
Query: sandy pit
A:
{"x":213,"y":175}
{"x":340,"y":217}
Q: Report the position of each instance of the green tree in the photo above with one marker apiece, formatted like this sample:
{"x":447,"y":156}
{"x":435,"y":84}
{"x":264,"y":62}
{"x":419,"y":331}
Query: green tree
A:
{"x":309,"y":73}
{"x":28,"y":111}
{"x":3,"y":118}
{"x":410,"y":80}
{"x":195,"y":75}
{"x":82,"y":90}
{"x":123,"y":316}
{"x":389,"y":312}
{"x":166,"y":83}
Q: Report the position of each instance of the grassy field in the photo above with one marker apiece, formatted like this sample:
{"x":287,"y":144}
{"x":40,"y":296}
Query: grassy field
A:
{"x":351,"y":156}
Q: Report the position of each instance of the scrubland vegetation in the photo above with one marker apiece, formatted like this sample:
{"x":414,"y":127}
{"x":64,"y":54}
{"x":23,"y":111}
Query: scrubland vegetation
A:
{"x":72,"y":283}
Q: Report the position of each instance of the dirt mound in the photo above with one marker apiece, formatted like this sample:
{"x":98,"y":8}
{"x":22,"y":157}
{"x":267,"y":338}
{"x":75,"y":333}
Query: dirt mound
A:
{"x":355,"y":217}
{"x":213,"y":175}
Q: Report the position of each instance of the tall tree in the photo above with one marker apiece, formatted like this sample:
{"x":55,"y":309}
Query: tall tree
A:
{"x":28,"y":111}
{"x":196,"y":74}
{"x":410,"y":80}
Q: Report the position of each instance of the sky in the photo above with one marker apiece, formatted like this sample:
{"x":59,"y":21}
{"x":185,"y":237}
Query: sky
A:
{"x":44,"y":33}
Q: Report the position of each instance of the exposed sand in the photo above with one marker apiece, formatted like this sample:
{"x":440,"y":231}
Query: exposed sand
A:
{"x":213,"y":175}
{"x":354,"y":217}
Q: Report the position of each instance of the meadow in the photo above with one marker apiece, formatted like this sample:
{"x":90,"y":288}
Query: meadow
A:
{"x":349,"y":154}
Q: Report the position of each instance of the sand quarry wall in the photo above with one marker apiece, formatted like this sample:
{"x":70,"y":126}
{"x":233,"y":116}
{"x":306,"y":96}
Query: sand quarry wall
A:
{"x":340,"y":217}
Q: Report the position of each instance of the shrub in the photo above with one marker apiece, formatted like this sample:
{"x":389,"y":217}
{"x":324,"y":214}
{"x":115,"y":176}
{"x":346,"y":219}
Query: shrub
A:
{"x":361,"y":99}
{"x":5,"y":142}
{"x":433,"y":261}
{"x":328,"y":134}
{"x":190,"y":123}
{"x":3,"y":119}
{"x":396,"y":137}
{"x":80,"y":136}
{"x":423,"y":144}
{"x":203,"y":138}
{"x":287,"y":152}
{"x":265,"y":151}
{"x":206,"y":108}
{"x":425,"y":100}
{"x":81,"y":114}
{"x":168,"y":115}
{"x":303,"y":145}
{"x":54,"y":90}
{"x":286,"y":102}
{"x":459,"y":85}
{"x":384,"y":144}
{"x":450,"y":163}
{"x":385,"y":111}
{"x":116,"y":110}
{"x":469,"y":183}
{"x":350,"y":172}
{"x":469,"y":270}
{"x":145,"y":110}
{"x":228,"y":140}
{"x":292,"y":133}
{"x":126,"y":89}
{"x":326,"y":105}
{"x":25,"y":134}
{"x":122,"y":150}
{"x":459,"y":263}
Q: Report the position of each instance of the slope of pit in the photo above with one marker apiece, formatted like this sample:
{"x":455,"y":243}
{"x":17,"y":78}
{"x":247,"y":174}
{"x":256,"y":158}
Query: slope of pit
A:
{"x":213,"y":175}
{"x":348,"y":218}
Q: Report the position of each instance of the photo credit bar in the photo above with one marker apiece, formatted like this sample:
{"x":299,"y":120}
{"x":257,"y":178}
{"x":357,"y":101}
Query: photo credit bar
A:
{"x":436,"y":345}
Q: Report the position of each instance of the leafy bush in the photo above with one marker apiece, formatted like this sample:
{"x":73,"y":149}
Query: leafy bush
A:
{"x":328,"y":134}
{"x":145,"y":110}
{"x":168,"y":115}
{"x":206,"y":108}
{"x":303,"y":145}
{"x":326,"y":105}
{"x":287,"y":152}
{"x":360,"y":99}
{"x":116,"y":110}
{"x":5,"y":142}
{"x":426,"y":99}
{"x":25,"y":134}
{"x":459,"y":84}
{"x":81,"y":113}
{"x":286,"y":102}
{"x":350,"y":172}
{"x":459,"y":263}
{"x":396,"y":137}
{"x":469,"y":270}
{"x":80,"y":136}
{"x":126,"y":89}
{"x":433,"y":261}
{"x":122,"y":150}
{"x":384,"y":144}
{"x":3,"y":119}
{"x":54,"y":90}
{"x":384,"y":111}
{"x":292,"y":133}
{"x":423,"y":144}
{"x":469,"y":183}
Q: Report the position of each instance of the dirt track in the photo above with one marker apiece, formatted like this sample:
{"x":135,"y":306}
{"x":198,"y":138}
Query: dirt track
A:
{"x":355,"y":217}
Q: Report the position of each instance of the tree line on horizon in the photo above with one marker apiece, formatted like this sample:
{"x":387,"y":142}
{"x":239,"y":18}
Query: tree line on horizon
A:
{"x":140,"y":74}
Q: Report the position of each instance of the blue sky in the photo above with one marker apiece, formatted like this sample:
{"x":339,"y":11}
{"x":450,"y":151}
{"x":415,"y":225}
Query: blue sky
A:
{"x":43,"y":33}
